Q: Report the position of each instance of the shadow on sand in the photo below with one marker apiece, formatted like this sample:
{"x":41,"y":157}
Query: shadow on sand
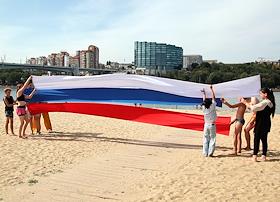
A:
{"x":87,"y":137}
{"x":273,"y":155}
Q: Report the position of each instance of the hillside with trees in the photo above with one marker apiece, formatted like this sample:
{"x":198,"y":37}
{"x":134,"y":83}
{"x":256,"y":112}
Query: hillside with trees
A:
{"x":219,"y":72}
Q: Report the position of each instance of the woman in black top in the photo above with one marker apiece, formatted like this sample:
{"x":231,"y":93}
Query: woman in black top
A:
{"x":264,"y":110}
{"x":21,"y":108}
{"x":9,"y":110}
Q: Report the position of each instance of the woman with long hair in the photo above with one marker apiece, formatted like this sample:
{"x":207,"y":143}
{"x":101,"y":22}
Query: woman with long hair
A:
{"x":21,"y":108}
{"x":264,"y":111}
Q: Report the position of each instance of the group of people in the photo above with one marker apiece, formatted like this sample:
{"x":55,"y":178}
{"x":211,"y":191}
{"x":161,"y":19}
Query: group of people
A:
{"x":24,"y":93}
{"x":260,"y":121}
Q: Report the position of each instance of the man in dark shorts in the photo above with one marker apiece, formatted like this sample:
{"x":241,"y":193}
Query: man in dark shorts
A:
{"x":239,"y":122}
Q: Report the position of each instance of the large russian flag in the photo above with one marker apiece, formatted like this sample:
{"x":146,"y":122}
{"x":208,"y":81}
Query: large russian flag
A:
{"x":127,"y":88}
{"x":102,"y":95}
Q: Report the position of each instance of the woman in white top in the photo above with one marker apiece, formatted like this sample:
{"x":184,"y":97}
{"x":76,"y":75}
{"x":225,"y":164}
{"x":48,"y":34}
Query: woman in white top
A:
{"x":264,"y":110}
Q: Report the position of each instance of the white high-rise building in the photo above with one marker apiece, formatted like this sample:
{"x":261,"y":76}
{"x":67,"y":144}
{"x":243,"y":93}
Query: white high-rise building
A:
{"x":188,"y":60}
{"x":66,"y":61}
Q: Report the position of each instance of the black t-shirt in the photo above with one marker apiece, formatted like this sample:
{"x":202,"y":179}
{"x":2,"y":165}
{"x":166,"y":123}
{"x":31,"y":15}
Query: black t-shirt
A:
{"x":10,"y":100}
{"x":263,"y":121}
{"x":21,"y":98}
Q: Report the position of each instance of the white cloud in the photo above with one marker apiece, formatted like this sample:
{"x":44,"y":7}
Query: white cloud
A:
{"x":231,"y":31}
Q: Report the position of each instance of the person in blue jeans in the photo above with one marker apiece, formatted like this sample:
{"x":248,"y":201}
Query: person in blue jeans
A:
{"x":210,"y":116}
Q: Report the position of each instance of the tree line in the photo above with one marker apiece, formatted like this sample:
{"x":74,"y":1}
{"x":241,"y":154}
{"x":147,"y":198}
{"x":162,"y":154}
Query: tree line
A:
{"x":16,"y":76}
{"x":219,"y":72}
{"x":204,"y":73}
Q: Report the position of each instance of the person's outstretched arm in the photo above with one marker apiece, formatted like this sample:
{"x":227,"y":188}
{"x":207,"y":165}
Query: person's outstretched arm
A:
{"x":31,"y":94}
{"x":204,"y":94}
{"x":213,"y":93}
{"x":229,"y":105}
{"x":25,"y":85}
{"x":257,"y":107}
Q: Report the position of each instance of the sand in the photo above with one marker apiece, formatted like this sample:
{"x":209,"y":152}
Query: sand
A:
{"x":92,"y":158}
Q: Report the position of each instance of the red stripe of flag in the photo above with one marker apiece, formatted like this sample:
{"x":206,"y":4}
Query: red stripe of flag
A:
{"x":131,"y":113}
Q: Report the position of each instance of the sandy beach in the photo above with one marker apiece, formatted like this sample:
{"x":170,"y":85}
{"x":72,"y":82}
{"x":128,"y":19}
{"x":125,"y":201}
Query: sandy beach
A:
{"x":91,"y":158}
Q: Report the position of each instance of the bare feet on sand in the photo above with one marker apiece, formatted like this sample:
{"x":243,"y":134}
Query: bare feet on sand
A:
{"x":23,"y":136}
{"x":255,"y":158}
{"x":234,"y":153}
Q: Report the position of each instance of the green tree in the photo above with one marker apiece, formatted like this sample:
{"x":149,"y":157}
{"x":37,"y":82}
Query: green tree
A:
{"x":215,"y":77}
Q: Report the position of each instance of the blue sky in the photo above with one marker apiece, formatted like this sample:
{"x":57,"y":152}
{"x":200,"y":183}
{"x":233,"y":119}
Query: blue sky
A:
{"x":227,"y":30}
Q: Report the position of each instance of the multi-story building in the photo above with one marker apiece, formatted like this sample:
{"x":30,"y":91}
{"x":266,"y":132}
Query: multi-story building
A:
{"x":62,"y":56}
{"x":42,"y":60}
{"x":89,"y":58}
{"x":189,"y":60}
{"x":84,"y":59}
{"x":52,"y":61}
{"x":31,"y":61}
{"x":58,"y":59}
{"x":67,"y":60}
{"x":92,"y":57}
{"x":159,"y":56}
{"x":74,"y":61}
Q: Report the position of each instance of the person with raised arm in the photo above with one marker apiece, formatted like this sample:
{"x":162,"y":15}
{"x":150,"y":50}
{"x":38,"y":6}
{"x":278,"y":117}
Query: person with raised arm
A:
{"x":239,"y":122}
{"x":21,"y":108}
{"x":210,"y":116}
{"x":264,"y":111}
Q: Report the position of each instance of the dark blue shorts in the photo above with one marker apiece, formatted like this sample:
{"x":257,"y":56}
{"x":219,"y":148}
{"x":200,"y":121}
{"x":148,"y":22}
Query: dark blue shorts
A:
{"x":9,"y":113}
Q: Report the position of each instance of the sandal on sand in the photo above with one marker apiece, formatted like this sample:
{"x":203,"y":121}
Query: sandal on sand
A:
{"x":263,"y":158}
